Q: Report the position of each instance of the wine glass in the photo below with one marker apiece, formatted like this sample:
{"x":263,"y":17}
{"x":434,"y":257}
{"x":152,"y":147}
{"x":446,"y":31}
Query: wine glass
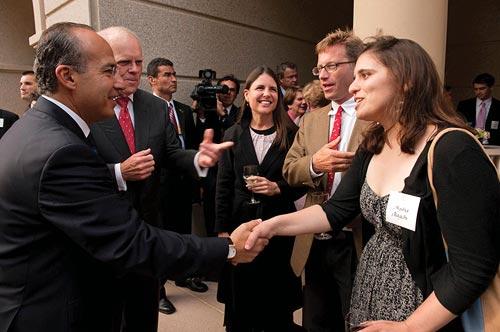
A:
{"x":249,"y":171}
{"x":319,"y":197}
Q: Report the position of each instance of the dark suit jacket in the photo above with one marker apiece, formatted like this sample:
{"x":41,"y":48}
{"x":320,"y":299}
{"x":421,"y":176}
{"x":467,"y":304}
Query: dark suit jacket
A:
{"x":7,"y":119}
{"x":152,"y":130}
{"x":217,"y":123}
{"x":467,"y":108}
{"x":177,"y":188}
{"x":65,"y":231}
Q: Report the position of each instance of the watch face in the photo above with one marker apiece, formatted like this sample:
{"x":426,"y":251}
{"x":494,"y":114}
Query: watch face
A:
{"x":232,"y":252}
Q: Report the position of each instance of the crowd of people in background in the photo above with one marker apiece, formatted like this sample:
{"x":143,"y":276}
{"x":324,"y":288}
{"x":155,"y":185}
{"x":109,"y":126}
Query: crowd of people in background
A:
{"x":113,"y":190}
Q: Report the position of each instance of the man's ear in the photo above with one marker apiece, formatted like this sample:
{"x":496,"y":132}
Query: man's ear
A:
{"x":151,"y":80}
{"x":65,"y":76}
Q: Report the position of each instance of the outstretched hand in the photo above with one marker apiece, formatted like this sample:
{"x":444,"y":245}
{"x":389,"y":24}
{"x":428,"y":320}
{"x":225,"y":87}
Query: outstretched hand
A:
{"x":262,"y":231}
{"x":210,"y":152}
{"x":239,"y":237}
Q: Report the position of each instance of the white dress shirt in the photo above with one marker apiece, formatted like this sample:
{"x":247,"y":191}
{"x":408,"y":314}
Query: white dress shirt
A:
{"x":348,"y":121}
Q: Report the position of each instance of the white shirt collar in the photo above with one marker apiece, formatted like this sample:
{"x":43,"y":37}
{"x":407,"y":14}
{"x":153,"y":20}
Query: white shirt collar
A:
{"x":487,"y":102}
{"x":349,"y":106}
{"x":79,"y":121}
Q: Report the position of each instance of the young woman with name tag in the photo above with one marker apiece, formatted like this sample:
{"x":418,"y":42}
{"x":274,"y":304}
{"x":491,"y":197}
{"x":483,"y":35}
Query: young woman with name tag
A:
{"x":405,"y":281}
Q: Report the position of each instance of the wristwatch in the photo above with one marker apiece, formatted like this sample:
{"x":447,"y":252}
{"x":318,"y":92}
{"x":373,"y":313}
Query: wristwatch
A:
{"x":232,"y":249}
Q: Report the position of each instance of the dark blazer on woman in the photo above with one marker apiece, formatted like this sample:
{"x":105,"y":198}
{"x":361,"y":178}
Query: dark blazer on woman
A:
{"x":258,"y":292}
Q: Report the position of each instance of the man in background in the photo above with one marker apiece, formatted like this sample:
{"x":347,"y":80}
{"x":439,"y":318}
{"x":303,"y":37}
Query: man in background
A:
{"x":483,"y":111}
{"x":287,"y":75}
{"x":28,"y":87}
{"x":176,"y":205}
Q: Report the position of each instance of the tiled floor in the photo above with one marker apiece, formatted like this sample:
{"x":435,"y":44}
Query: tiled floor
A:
{"x":196,"y":312}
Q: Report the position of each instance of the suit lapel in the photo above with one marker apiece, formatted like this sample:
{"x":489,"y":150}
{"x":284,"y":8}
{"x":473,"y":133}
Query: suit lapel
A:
{"x":111,"y":128}
{"x":356,"y":137}
{"x":320,"y":132}
{"x":141,"y":120}
{"x":180,"y":116}
{"x":246,"y":148}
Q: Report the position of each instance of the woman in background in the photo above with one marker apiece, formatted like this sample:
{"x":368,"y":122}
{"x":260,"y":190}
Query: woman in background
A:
{"x":262,"y":295}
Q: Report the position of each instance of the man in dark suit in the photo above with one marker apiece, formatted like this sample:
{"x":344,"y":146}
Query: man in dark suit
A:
{"x":176,"y":207}
{"x":7,"y":119}
{"x":137,"y":143}
{"x":483,"y":111}
{"x":66,"y":233}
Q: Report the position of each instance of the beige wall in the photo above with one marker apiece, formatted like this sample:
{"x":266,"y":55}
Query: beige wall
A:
{"x":16,"y":56}
{"x":423,"y":21}
{"x":228,"y":36}
{"x":473,"y":44}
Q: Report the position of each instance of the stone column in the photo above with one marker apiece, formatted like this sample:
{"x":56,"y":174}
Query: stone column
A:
{"x":424,"y":21}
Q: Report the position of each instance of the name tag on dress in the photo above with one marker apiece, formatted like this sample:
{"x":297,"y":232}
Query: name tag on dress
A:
{"x":494,"y":124}
{"x":1,"y":122}
{"x":402,"y":210}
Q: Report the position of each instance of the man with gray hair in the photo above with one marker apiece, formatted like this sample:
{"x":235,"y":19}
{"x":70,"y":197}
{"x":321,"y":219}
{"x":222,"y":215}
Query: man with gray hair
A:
{"x":65,"y":231}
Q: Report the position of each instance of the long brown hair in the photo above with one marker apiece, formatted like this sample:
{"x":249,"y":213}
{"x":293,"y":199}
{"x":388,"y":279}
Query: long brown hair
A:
{"x":419,"y":101}
{"x":281,"y":119}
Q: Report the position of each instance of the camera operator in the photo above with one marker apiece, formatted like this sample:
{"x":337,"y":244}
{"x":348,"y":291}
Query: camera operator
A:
{"x":223,"y":116}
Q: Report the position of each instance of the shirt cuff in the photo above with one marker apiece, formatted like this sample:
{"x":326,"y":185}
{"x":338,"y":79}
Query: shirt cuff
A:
{"x":313,"y":173}
{"x":122,"y":185}
{"x":202,"y":171}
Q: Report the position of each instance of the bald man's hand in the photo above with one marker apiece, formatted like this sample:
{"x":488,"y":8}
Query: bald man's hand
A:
{"x":210,"y":152}
{"x":138,"y":166}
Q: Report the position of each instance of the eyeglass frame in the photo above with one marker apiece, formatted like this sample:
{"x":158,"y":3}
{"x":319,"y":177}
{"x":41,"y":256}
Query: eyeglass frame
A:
{"x":334,"y":68}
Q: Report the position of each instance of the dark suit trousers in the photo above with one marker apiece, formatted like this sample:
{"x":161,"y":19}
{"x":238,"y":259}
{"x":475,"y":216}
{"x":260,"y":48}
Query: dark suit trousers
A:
{"x":139,"y":311}
{"x":329,"y":275}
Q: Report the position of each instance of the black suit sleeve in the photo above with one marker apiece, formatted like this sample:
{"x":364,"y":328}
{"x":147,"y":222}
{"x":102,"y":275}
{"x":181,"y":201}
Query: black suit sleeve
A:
{"x":76,"y":196}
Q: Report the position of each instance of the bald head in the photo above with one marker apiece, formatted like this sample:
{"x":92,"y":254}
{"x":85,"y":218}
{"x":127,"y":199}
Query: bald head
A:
{"x":128,"y":55}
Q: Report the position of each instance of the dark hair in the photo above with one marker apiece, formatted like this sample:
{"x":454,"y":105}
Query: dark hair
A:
{"x":152,"y":69}
{"x":281,"y":120}
{"x":280,"y":70}
{"x":28,"y":72}
{"x":419,"y":101}
{"x":290,"y":94}
{"x":58,"y":45}
{"x":484,"y":78}
{"x":231,"y":78}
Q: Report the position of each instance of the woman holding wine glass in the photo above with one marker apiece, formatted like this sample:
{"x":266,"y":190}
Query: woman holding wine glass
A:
{"x":262,"y":295}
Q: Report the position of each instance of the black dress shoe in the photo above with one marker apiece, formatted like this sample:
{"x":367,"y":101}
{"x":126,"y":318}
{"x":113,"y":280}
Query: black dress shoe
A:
{"x":194,"y":284}
{"x":166,"y":307}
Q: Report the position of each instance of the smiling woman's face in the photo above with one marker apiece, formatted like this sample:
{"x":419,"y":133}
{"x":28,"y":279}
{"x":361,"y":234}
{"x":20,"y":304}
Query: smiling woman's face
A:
{"x":262,"y":96}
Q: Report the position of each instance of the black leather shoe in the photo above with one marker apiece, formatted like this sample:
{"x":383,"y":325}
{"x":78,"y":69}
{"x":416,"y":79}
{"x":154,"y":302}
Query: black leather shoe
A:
{"x":194,"y":284}
{"x":166,"y":307}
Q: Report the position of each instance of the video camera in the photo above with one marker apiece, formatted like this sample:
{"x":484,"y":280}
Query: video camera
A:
{"x":205,"y":93}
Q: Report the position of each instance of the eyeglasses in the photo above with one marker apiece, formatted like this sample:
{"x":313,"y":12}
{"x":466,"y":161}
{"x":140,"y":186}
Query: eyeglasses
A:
{"x":330,"y":67}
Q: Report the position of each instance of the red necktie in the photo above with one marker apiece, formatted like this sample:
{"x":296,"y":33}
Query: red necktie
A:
{"x":126,"y":123}
{"x":337,"y":125}
{"x":171,"y":116}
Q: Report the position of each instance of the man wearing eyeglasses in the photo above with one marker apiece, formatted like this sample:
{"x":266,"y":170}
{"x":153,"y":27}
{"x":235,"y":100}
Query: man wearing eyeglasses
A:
{"x":136,"y":144}
{"x":323,"y":148}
